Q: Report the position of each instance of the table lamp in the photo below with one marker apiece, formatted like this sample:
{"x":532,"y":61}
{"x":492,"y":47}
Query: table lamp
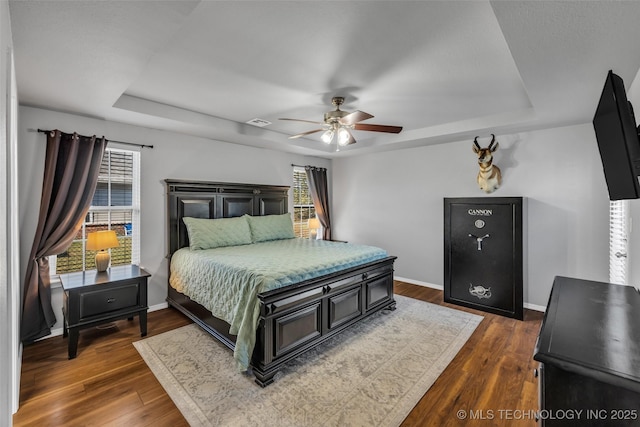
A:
{"x":313,"y":224}
{"x":100,"y":241}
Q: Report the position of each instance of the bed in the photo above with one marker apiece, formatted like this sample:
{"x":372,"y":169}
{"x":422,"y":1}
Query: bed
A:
{"x":289,"y":307}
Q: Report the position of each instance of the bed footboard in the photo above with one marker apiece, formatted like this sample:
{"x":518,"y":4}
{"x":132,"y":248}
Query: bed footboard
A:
{"x":299,"y":317}
{"x":294,"y":320}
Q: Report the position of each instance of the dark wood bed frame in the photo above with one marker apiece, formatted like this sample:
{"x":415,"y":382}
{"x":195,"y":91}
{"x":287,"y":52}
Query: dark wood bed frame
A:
{"x":295,"y":318}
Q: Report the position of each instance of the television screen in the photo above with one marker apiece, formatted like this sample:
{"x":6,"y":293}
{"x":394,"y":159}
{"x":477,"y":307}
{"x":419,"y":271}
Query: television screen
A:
{"x":618,"y":142}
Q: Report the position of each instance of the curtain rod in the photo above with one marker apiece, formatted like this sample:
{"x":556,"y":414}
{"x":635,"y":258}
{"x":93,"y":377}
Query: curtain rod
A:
{"x":109,"y":140}
{"x":300,"y":166}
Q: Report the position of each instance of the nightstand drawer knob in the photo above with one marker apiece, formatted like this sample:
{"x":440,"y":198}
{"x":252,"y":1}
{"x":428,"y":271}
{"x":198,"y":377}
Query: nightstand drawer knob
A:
{"x":110,"y":300}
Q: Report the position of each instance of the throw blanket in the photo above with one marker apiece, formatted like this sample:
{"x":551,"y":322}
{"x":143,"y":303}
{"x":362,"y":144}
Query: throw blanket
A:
{"x":227,"y":280}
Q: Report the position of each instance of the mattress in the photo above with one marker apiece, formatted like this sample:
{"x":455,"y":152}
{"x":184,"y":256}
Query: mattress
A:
{"x":227,"y":280}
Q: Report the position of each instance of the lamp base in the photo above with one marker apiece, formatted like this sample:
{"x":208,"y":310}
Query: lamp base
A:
{"x":103,"y":259}
{"x":313,"y":234}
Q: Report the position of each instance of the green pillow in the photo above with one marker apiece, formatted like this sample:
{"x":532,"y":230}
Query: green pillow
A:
{"x":270,"y":227}
{"x":207,"y":233}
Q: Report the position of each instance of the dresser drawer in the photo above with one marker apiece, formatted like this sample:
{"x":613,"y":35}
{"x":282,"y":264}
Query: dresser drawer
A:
{"x":103,"y":301}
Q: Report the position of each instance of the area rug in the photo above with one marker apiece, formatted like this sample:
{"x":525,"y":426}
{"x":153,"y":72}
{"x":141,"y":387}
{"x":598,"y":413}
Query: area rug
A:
{"x":372,"y":374}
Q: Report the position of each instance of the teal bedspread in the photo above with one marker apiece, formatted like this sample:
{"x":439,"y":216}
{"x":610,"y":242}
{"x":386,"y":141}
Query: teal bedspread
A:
{"x":227,"y":280}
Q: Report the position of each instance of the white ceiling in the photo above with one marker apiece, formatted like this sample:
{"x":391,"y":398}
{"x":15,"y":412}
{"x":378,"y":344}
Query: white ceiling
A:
{"x":444,"y":70}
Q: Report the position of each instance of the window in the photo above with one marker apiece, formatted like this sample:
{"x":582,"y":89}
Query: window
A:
{"x":115,"y":206}
{"x":303,"y":208}
{"x":619,"y":225}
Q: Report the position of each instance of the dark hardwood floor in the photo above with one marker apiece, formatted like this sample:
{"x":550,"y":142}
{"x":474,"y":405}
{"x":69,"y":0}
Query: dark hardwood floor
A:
{"x":490,"y":380}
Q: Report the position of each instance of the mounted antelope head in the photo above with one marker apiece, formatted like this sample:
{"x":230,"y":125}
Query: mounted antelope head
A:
{"x":489,"y":177}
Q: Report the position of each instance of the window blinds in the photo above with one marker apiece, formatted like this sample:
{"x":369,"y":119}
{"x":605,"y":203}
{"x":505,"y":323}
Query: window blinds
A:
{"x":618,"y":241}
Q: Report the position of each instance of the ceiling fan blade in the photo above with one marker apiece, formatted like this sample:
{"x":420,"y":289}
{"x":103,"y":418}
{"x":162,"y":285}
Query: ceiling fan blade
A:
{"x":352,"y":118}
{"x":377,"y":128}
{"x":300,"y":120}
{"x":305,"y":133}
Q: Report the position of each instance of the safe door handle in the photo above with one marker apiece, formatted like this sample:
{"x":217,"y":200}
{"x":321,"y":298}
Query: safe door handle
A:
{"x":479,"y":240}
{"x":110,"y":300}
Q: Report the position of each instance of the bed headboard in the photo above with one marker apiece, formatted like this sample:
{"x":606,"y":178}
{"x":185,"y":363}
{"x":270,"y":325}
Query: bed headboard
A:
{"x":201,"y":199}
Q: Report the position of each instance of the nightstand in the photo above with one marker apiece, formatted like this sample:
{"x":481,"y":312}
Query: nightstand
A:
{"x":91,"y":298}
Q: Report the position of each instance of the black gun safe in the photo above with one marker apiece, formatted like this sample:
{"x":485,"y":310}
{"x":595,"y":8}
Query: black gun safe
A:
{"x":483,"y":254}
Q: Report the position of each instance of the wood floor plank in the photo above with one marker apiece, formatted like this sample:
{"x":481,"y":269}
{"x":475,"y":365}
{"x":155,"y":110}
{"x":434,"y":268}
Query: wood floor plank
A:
{"x":108,"y":384}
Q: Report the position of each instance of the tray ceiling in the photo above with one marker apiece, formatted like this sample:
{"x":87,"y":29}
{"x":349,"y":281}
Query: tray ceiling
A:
{"x":445,"y":71}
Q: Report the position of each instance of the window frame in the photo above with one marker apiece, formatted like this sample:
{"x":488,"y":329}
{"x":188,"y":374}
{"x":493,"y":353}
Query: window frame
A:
{"x":133,"y":208}
{"x":300,"y":225}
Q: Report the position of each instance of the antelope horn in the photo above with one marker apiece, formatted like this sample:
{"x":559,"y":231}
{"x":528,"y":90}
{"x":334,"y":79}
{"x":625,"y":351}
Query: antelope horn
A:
{"x":475,"y":142}
{"x":493,"y":139}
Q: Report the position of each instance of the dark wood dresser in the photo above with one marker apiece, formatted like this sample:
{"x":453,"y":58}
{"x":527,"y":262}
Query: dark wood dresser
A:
{"x":589,"y":354}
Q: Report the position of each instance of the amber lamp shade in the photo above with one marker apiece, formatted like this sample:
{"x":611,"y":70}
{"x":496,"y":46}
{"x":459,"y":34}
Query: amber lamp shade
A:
{"x":313,"y":224}
{"x":100,"y":241}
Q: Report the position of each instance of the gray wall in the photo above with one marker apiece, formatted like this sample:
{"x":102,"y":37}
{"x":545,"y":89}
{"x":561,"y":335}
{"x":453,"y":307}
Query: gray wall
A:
{"x":391,"y":199}
{"x":174,"y":156}
{"x":395,"y":200}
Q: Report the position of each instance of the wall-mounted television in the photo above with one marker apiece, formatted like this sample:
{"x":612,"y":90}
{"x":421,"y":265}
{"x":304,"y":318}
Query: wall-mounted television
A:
{"x":618,"y":141}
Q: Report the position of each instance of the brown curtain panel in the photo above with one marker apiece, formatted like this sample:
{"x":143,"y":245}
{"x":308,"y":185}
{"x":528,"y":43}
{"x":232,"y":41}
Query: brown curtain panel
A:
{"x":317,"y":178}
{"x":71,"y":169}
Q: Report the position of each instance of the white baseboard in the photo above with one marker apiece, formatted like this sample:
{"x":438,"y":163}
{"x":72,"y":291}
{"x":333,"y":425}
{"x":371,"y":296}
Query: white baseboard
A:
{"x":58,"y":331}
{"x":158,"y":307}
{"x":419,"y":283}
{"x":54,"y":333}
{"x":440,"y":287}
{"x":535,"y":307}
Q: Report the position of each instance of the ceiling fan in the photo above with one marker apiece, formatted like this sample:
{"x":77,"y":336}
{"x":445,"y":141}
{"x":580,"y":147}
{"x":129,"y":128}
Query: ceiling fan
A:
{"x":341,"y":123}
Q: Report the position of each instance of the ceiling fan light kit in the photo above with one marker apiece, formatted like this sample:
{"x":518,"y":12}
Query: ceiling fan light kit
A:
{"x":344,"y":136}
{"x":341,"y":123}
{"x":327,"y":137}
